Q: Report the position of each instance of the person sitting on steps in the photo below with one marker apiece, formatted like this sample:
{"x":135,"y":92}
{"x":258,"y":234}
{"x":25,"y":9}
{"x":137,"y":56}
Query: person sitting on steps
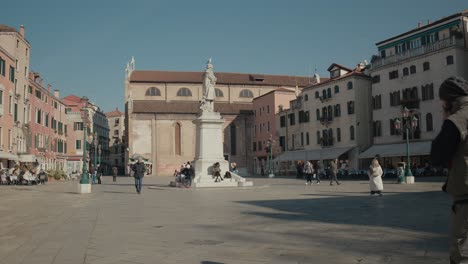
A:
{"x":217,"y":172}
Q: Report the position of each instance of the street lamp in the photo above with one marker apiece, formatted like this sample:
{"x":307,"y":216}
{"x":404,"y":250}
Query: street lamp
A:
{"x":84,"y":186}
{"x":269,"y":149}
{"x":410,"y":122}
{"x":99,"y":156}
{"x":95,"y":140}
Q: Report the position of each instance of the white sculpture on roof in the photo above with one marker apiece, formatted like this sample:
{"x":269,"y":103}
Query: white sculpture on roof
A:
{"x":209,"y":94}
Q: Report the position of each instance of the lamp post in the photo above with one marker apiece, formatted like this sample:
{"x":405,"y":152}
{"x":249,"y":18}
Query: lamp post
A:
{"x":84,"y":186}
{"x":99,"y":156}
{"x":410,"y":122}
{"x":271,"y":169}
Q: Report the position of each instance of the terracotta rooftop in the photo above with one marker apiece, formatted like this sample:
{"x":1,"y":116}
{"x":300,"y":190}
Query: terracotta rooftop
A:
{"x":355,"y":72}
{"x":186,"y":107}
{"x":115,"y":113}
{"x":5,"y":28}
{"x":223,"y":78}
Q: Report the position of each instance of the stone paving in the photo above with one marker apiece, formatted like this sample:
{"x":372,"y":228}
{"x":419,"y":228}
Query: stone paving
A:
{"x":278,"y":221}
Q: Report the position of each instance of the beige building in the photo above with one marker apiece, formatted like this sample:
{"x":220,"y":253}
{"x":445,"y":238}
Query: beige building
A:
{"x":161,"y":105}
{"x":118,"y":142}
{"x":330,"y":119}
{"x":407,"y":73}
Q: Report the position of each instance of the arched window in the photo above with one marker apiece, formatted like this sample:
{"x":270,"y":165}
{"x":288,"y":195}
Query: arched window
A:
{"x":449,"y":60}
{"x":317,"y":94}
{"x":330,"y":112}
{"x":429,"y":125}
{"x":324,"y":94}
{"x":184,"y":92}
{"x":233,"y":139}
{"x":318,"y":137}
{"x":177,"y":135}
{"x":330,"y":137}
{"x":329,"y":93}
{"x":350,"y":85}
{"x":412,"y":69}
{"x":306,"y":97}
{"x":405,"y":71}
{"x":246,"y":94}
{"x":338,"y":134}
{"x":414,"y":93}
{"x":307,"y":138}
{"x":351,"y":132}
{"x":337,"y":89}
{"x":317,"y":113}
{"x":153,"y":91}
{"x":426,"y":66}
{"x":219,"y":93}
{"x":324,"y":113}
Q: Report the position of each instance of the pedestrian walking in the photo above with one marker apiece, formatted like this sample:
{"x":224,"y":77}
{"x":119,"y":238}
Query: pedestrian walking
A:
{"x":450,"y":149}
{"x":317,"y":172}
{"x":99,"y":173}
{"x":300,"y":169}
{"x":139,"y":170}
{"x":308,"y":170}
{"x":115,"y":171}
{"x":333,"y":172}
{"x":375,"y":178}
{"x":92,"y":171}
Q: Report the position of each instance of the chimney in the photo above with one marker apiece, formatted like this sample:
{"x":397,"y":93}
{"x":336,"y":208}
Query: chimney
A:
{"x":428,"y":21}
{"x":22,"y":30}
{"x":57,"y":93}
{"x":49,"y":87}
{"x":419,"y":24}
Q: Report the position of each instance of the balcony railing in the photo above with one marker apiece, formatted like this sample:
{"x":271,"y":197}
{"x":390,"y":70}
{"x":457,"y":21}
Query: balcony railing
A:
{"x":410,"y":103}
{"x":428,"y":48}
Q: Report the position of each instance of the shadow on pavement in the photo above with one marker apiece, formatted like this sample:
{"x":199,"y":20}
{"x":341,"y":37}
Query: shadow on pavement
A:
{"x":415,"y":211}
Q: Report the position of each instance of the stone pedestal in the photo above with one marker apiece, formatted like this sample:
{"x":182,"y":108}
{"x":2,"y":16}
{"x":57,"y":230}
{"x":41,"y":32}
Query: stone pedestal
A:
{"x":83,"y":188}
{"x":209,"y":150}
{"x":409,"y":179}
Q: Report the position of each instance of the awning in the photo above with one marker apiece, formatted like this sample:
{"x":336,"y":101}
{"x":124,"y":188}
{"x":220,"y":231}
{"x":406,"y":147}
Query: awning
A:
{"x":317,"y":154}
{"x":27,"y":158}
{"x":8,"y":156}
{"x":397,"y":150}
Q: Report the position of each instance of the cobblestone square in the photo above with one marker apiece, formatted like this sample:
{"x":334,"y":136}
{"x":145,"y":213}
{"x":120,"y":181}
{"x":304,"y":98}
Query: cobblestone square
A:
{"x":278,"y":221}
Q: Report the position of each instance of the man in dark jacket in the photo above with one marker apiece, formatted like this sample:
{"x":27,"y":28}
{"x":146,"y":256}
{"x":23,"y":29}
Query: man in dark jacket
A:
{"x":450,"y":149}
{"x":139,"y":169}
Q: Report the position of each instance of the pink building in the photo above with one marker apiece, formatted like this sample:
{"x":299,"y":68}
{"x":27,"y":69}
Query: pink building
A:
{"x":264,"y":129}
{"x":7,"y":86}
{"x":47,"y":125}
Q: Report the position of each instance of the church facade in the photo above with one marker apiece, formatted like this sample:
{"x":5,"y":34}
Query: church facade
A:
{"x":161,"y":105}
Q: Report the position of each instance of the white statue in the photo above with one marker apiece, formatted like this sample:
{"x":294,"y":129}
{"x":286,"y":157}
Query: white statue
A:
{"x":209,"y":94}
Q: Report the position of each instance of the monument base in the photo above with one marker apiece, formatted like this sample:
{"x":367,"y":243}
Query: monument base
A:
{"x":409,"y":179}
{"x":83,"y":188}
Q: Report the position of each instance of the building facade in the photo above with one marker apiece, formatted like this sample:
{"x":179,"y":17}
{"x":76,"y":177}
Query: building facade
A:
{"x":118,"y":142}
{"x":161,"y":106}
{"x":329,"y":120}
{"x":407,"y":72}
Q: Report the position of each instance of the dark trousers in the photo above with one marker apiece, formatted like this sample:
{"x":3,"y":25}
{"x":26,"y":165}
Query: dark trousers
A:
{"x":333,"y":178}
{"x":138,"y":184}
{"x":318,"y":177}
{"x":114,"y":178}
{"x":99,"y":178}
{"x":309,"y":177}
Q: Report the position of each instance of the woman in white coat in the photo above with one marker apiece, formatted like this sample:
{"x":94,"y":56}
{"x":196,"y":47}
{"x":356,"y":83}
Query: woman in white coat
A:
{"x":375,"y":178}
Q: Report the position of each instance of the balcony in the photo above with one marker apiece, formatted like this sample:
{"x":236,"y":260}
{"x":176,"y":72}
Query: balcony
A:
{"x":410,"y":103}
{"x":326,"y":120}
{"x":378,"y":62}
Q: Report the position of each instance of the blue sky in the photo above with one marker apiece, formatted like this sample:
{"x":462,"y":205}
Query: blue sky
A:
{"x":82,"y":47}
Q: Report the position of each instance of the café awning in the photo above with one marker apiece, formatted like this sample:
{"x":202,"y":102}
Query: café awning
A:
{"x":316,"y":154}
{"x":397,"y":150}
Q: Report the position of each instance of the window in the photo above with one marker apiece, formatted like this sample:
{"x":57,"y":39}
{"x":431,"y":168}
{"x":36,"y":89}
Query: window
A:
{"x":302,"y":138}
{"x":350,"y":107}
{"x":392,"y":127}
{"x":307,"y":138}
{"x":78,"y":144}
{"x":30,"y":89}
{"x":351,"y":132}
{"x":337,"y":110}
{"x":405,"y":71}
{"x":413,"y":69}
{"x":15,"y":113}
{"x":38,"y":94}
{"x":153,"y":91}
{"x":303,"y":116}
{"x":318,"y":137}
{"x":306,"y":97}
{"x":324,"y":94}
{"x":377,"y":128}
{"x":268,"y":127}
{"x":254,"y":148}
{"x":38,"y":116}
{"x":246,"y":94}
{"x":337,"y":89}
{"x":317,"y":113}
{"x":76,"y":125}
{"x":292,"y":120}
{"x":377,"y":102}
{"x":259,"y":146}
{"x":1,"y":97}
{"x":177,"y":139}
{"x":219,"y":93}
{"x":376,"y":79}
{"x":317,"y":94}
{"x":12,"y":74}
{"x":350,"y":85}
{"x":330,"y":113}
{"x":2,"y":66}
{"x":282,"y":143}
{"x":427,"y":92}
{"x":329,"y":93}
{"x":393,"y":75}
{"x":449,"y":60}
{"x":10,"y":103}
{"x":338,"y":134}
{"x":324,"y":113}
{"x":395,"y":98}
{"x":282,"y":121}
{"x":429,"y":125}
{"x":184,"y":92}
{"x":233,"y":140}
{"x":426,"y":66}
